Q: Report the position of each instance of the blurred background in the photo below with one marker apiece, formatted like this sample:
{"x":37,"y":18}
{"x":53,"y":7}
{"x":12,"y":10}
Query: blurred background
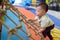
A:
{"x":53,"y":4}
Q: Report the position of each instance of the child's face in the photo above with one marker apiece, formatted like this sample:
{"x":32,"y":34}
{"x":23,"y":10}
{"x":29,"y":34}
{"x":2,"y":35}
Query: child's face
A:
{"x":40,"y":11}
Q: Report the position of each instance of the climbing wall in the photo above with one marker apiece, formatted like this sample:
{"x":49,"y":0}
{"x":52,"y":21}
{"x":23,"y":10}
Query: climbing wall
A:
{"x":15,"y":21}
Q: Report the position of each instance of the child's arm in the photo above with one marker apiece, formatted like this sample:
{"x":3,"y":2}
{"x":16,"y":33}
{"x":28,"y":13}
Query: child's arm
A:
{"x":35,"y":19}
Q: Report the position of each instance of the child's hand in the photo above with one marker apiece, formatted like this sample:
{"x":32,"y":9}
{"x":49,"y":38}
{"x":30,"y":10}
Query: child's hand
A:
{"x":41,"y":30}
{"x":29,"y":19}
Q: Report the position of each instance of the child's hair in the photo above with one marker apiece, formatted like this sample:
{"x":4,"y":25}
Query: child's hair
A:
{"x":44,"y":6}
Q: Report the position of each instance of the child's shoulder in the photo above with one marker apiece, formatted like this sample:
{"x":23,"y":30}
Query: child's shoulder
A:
{"x":45,"y":17}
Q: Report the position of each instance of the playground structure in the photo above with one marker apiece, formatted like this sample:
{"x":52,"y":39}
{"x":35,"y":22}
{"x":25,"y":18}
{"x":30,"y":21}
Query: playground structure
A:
{"x":22,"y":18}
{"x":23,"y":3}
{"x":13,"y":31}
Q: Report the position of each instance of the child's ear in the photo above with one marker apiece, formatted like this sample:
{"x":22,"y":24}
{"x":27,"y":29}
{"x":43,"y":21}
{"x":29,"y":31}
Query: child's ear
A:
{"x":44,"y":11}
